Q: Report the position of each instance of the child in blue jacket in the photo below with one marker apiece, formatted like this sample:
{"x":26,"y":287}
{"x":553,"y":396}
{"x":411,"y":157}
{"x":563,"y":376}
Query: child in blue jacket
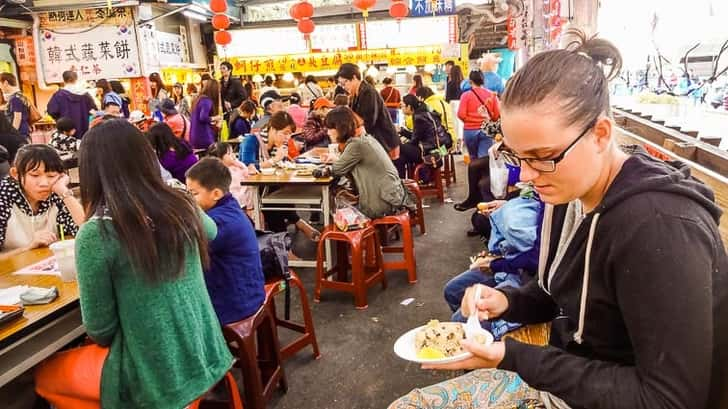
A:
{"x":235,"y":276}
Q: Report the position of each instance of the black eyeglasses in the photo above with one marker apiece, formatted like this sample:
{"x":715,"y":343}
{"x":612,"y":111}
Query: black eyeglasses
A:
{"x":542,"y":165}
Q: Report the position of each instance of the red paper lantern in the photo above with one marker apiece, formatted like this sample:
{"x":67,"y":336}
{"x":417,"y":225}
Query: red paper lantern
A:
{"x":218,"y":6}
{"x":364,"y":6}
{"x":301,"y":10}
{"x":306,"y":26}
{"x":398,"y":10}
{"x":223,"y":38}
{"x":220,"y":21}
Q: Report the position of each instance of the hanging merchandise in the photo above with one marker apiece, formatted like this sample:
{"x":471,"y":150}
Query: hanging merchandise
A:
{"x":220,"y":21}
{"x":364,"y":6}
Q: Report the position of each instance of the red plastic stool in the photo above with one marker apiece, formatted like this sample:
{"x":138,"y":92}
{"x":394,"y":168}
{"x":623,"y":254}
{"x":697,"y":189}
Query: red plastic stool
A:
{"x":434,"y":188}
{"x":275,"y":287}
{"x":448,"y":171}
{"x":365,"y":271}
{"x":232,"y":387}
{"x":417,"y":216}
{"x":407,"y":249}
{"x":260,"y":362}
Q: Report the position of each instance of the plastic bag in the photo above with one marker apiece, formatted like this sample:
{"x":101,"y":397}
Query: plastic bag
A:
{"x":348,"y":217}
{"x":224,"y":131}
{"x":498,"y":173}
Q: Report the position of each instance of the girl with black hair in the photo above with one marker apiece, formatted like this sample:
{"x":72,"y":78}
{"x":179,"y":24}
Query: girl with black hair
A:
{"x":144,"y":303}
{"x":421,"y":139}
{"x":174,"y":153}
{"x":118,"y":87}
{"x":35,"y":201}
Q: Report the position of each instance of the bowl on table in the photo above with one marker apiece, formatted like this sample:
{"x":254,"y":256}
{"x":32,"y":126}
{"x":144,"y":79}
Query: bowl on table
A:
{"x":267,"y":171}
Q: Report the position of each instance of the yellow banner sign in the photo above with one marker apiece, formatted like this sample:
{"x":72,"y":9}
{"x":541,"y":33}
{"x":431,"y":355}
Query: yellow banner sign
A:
{"x":86,"y":17}
{"x":331,"y":61}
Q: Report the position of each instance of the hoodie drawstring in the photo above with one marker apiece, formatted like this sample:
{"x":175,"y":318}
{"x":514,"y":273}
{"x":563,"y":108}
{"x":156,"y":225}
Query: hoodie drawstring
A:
{"x":585,"y":285}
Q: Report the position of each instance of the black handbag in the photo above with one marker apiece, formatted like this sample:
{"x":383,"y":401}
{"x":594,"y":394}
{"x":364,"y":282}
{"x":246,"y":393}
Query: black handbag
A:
{"x":274,"y":249}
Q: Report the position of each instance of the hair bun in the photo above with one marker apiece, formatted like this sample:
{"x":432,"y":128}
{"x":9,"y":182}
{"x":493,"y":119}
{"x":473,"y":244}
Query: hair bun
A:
{"x":600,"y":51}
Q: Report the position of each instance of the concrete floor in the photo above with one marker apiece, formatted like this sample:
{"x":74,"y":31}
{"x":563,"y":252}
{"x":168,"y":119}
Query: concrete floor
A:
{"x":358,"y":369}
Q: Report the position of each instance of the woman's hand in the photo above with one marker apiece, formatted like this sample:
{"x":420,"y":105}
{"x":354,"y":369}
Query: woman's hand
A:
{"x":489,"y":356}
{"x":42,"y":239}
{"x":60,"y":186}
{"x":252,"y":169}
{"x":489,"y":207}
{"x":492,"y":303}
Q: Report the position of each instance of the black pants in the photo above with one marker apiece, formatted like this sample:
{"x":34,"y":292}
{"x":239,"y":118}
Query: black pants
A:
{"x":278,"y":220}
{"x":409,"y":154}
{"x":479,"y":181}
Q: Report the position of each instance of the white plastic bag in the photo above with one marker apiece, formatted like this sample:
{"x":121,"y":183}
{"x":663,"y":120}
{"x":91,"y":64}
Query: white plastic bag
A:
{"x":498,"y":173}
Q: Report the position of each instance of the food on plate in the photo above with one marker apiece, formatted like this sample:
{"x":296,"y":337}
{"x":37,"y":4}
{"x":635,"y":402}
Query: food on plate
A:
{"x":439,"y":337}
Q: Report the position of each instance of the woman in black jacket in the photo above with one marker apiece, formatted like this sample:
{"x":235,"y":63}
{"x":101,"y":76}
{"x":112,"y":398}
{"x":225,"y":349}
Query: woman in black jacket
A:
{"x":420,"y":139}
{"x":633,"y":275}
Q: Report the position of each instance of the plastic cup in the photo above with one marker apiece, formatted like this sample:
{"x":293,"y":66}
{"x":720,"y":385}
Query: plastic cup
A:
{"x":65,"y":254}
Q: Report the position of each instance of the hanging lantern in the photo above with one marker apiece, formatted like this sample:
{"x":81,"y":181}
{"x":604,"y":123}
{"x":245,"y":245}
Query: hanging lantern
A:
{"x":223,"y":38}
{"x":218,"y":6}
{"x":301,"y":10}
{"x":306,"y":26}
{"x":398,"y":10}
{"x":364,"y":6}
{"x":220,"y":21}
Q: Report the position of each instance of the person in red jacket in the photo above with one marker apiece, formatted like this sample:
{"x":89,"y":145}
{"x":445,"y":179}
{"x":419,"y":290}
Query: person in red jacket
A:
{"x":392,"y":98}
{"x":477,"y":105}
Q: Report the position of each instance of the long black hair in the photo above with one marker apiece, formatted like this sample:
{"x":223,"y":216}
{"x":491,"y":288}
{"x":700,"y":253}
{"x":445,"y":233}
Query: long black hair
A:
{"x":163,"y":139}
{"x":30,"y":157}
{"x":155,"y":224}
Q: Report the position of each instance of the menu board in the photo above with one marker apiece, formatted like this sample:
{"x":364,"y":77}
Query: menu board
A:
{"x":334,"y":37}
{"x":264,"y":41}
{"x":409,"y":32}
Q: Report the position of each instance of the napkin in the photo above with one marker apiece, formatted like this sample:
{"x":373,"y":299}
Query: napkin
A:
{"x":11,"y":295}
{"x":39,"y":295}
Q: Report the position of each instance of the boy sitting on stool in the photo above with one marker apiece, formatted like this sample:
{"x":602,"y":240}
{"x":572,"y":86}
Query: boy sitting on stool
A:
{"x":235,"y":276}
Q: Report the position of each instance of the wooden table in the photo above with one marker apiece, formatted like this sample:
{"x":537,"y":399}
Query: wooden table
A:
{"x":305,"y":193}
{"x":43,"y":329}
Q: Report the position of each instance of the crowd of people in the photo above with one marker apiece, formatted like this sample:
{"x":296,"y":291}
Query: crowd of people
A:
{"x":593,"y":238}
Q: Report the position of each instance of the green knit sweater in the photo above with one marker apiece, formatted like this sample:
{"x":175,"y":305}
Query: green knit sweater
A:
{"x":166,"y":345}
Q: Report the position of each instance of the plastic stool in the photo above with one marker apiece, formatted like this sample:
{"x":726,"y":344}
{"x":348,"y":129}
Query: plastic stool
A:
{"x":407,"y":249}
{"x":418,"y":216}
{"x":275,"y":287}
{"x":232,"y":387}
{"x":262,"y":365}
{"x":365,"y":271}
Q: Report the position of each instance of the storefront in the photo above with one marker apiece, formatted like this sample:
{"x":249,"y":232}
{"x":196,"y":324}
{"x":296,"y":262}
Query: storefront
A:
{"x":381,"y":48}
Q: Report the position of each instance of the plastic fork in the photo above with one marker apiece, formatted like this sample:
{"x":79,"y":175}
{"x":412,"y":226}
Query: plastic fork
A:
{"x":472,"y":326}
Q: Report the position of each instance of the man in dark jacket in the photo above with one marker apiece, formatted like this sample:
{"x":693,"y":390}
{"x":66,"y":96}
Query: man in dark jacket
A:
{"x":232,"y":91}
{"x":369,"y":105}
{"x":72,"y":102}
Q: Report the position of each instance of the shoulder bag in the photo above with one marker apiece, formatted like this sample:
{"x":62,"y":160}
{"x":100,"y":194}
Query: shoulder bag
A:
{"x":489,"y":127}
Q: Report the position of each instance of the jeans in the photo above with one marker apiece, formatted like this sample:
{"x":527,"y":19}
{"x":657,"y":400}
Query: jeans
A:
{"x":477,"y":143}
{"x":455,"y":291}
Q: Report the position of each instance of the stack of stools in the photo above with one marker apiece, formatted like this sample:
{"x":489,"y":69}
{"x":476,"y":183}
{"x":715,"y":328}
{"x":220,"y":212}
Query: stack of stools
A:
{"x":365,"y":263}
{"x":407,"y":249}
{"x":435,"y":187}
{"x":418,"y":216}
{"x":260,"y":362}
{"x":234,"y":394}
{"x":308,"y":337}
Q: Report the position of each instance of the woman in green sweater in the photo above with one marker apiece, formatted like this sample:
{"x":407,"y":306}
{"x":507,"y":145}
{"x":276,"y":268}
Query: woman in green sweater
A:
{"x":144,"y":302}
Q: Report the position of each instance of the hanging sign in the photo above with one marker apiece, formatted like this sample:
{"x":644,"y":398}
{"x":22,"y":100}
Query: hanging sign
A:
{"x":93,"y":48}
{"x":24,"y":51}
{"x":331,"y":61}
{"x":430,"y":8}
{"x":412,"y":33}
{"x":171,"y":49}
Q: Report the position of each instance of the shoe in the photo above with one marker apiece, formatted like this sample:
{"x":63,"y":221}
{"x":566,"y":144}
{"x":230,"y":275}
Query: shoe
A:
{"x":472,"y":233}
{"x":463,"y":206}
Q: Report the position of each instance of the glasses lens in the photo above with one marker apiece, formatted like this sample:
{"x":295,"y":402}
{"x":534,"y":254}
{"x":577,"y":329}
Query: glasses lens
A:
{"x":542,"y":165}
{"x":510,"y":158}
